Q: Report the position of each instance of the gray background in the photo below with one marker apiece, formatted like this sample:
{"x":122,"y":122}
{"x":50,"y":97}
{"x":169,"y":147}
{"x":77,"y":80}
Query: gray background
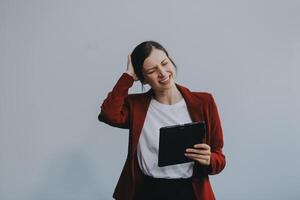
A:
{"x":59,"y":59}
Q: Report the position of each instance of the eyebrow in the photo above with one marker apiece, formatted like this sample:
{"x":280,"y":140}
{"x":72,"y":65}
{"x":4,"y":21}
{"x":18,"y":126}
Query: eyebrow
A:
{"x":155,"y":65}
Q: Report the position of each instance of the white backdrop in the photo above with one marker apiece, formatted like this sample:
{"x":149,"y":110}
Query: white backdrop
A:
{"x":59,"y":59}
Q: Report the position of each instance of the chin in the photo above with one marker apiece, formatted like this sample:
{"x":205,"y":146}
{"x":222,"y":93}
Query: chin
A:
{"x":168,"y":86}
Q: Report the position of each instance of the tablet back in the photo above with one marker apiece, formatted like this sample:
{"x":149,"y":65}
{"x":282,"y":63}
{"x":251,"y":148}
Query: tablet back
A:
{"x":174,"y":140}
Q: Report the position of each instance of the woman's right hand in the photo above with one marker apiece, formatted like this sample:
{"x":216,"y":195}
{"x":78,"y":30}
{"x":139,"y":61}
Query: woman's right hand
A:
{"x":130,"y":69}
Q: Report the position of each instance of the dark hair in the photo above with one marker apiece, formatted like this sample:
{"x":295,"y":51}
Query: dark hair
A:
{"x":141,"y":52}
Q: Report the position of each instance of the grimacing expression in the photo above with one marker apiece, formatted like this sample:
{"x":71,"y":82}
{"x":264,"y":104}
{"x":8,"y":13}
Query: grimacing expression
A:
{"x":158,"y":70}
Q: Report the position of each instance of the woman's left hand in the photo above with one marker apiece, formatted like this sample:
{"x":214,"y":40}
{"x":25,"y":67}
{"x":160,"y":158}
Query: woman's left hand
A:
{"x":200,"y":153}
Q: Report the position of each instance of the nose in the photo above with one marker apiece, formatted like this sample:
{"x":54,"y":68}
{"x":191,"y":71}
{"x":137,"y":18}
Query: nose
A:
{"x":162,"y":72}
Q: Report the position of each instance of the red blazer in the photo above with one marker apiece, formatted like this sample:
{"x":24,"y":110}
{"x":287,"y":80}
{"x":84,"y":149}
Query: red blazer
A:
{"x":124,"y":110}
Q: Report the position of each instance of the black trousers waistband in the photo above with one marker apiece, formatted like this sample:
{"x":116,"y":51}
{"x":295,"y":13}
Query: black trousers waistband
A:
{"x":164,"y":189}
{"x":177,"y":181}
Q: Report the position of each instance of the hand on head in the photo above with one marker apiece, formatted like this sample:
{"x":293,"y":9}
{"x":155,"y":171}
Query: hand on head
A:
{"x":130,"y":69}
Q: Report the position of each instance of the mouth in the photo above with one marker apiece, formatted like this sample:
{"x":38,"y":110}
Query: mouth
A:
{"x":166,"y":80}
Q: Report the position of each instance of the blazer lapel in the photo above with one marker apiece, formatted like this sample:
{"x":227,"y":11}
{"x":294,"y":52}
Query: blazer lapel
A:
{"x":194,"y":108}
{"x":140,"y":112}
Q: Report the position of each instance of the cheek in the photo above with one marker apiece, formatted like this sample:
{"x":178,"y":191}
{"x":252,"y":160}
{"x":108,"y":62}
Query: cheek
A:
{"x":153,"y":78}
{"x":150,"y":78}
{"x":172,"y":70}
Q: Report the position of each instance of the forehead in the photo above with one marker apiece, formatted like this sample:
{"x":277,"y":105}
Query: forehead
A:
{"x":155,"y":58}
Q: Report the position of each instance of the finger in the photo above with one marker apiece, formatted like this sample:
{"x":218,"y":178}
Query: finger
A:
{"x":198,"y":151}
{"x":197,"y":156}
{"x":202,"y":146}
{"x":128,"y":62}
{"x":203,"y":161}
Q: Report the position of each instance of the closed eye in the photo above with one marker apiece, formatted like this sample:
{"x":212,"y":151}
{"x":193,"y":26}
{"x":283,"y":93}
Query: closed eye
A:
{"x":150,"y":72}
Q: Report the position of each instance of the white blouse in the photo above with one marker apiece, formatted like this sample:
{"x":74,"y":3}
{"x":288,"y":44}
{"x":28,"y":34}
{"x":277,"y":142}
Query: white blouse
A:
{"x":160,"y":115}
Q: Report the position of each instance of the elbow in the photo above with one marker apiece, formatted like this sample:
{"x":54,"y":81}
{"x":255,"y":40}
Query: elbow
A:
{"x":113,"y":121}
{"x":100,"y":117}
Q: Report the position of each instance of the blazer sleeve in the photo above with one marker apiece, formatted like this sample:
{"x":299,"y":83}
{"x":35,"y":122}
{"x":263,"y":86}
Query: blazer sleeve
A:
{"x":218,"y":161}
{"x":115,"y":108}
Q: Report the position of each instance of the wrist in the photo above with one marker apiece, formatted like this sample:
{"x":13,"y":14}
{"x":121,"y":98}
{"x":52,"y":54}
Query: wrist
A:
{"x":129,"y":73}
{"x":132,"y":74}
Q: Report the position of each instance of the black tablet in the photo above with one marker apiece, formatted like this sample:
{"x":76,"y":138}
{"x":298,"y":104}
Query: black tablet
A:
{"x":174,"y":140}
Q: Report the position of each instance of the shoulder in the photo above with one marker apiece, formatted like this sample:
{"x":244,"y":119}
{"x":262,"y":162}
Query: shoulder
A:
{"x":137,"y":97}
{"x":200,"y":96}
{"x":204,"y":96}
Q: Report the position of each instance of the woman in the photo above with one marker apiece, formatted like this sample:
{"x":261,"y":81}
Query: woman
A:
{"x":166,"y":103}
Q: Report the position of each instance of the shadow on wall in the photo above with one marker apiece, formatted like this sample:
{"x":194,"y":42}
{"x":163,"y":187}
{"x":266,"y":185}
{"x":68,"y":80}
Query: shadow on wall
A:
{"x":69,"y":177}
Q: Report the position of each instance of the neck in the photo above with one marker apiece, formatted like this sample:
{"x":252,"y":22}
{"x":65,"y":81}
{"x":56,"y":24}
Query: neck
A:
{"x":169,"y":97}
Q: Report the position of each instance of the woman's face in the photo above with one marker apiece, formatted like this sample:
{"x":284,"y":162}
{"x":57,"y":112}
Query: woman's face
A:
{"x":159,"y":72}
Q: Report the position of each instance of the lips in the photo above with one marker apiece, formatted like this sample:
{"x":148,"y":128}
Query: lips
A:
{"x":165,"y":80}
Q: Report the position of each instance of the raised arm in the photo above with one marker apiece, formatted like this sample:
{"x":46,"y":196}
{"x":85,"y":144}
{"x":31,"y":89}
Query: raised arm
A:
{"x":115,"y":108}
